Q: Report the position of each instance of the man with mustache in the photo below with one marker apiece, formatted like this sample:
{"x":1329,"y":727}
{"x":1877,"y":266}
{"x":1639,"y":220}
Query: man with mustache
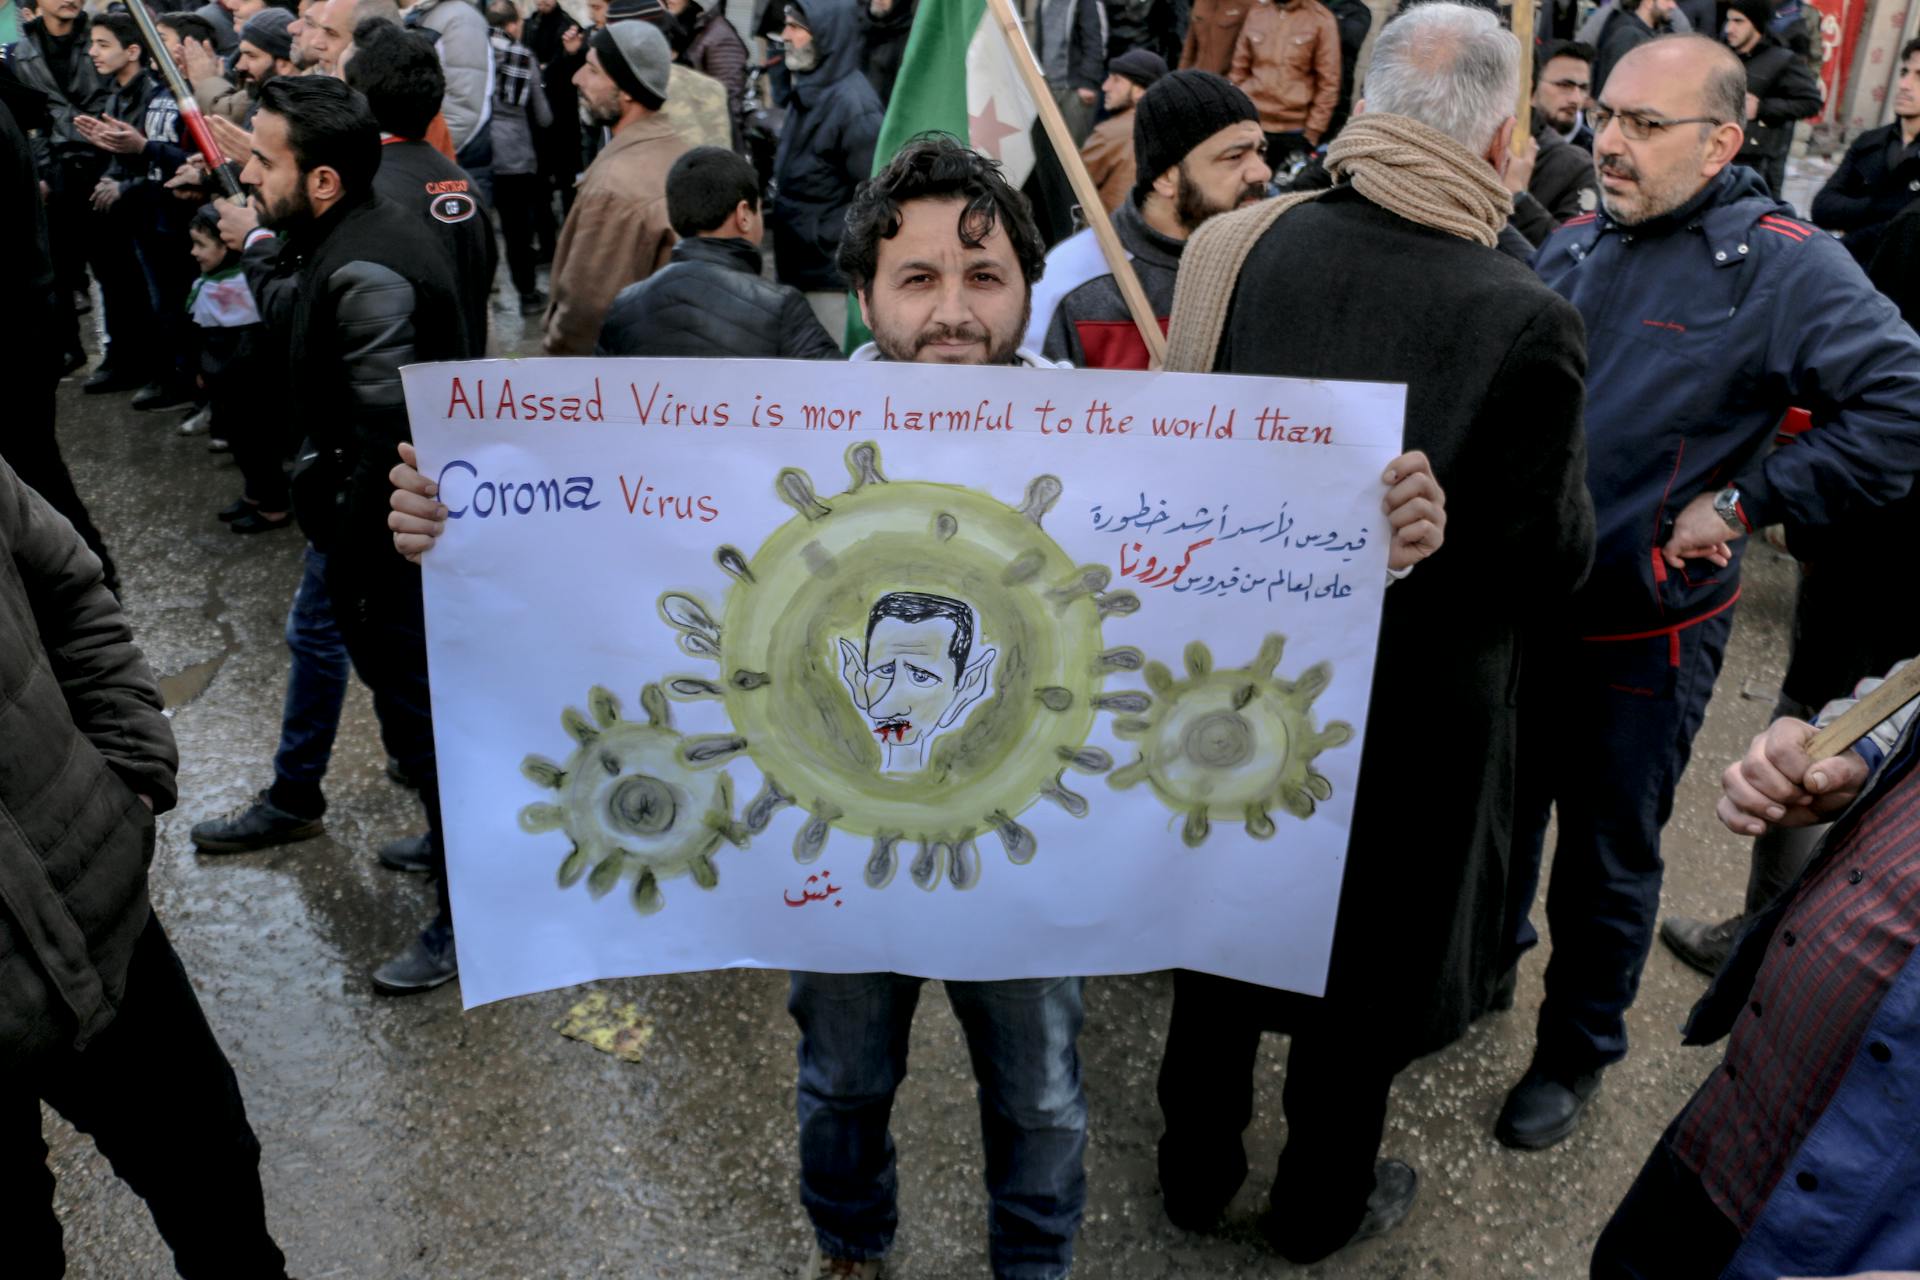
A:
{"x":1709,"y":310}
{"x":1199,"y":153}
{"x":941,"y":254}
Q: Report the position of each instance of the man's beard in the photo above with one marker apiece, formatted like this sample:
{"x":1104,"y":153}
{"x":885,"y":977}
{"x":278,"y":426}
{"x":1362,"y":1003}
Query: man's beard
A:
{"x":1191,"y":208}
{"x":906,"y":349}
{"x":593,"y":116}
{"x":252,"y":86}
{"x":802,"y":57}
{"x":296,"y":211}
{"x":1651,"y":200}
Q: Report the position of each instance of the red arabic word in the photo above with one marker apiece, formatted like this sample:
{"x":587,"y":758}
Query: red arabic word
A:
{"x":825,"y":891}
{"x":1151,"y":572}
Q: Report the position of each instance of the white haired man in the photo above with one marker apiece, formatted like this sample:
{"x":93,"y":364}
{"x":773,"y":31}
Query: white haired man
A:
{"x":1408,"y":287}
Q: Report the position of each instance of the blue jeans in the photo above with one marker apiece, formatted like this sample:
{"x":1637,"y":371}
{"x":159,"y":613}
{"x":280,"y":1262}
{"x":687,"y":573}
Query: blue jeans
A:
{"x":1608,"y":727}
{"x":1033,"y":1112}
{"x":316,"y":690}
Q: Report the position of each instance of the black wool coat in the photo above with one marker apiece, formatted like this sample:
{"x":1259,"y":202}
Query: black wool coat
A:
{"x":1494,"y":363}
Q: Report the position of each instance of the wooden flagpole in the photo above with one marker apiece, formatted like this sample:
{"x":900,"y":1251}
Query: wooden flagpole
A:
{"x":1893,"y":693}
{"x":1083,"y":189}
{"x":1523,"y":115}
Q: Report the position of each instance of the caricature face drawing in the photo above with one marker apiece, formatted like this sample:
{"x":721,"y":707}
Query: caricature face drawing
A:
{"x":916,"y":674}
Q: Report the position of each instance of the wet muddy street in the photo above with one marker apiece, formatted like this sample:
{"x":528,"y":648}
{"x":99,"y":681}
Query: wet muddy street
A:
{"x":404,"y":1138}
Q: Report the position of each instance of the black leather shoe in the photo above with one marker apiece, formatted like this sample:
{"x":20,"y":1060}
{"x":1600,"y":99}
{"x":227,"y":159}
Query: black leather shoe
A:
{"x":1395,"y":1185}
{"x":410,"y":854}
{"x":104,"y":380}
{"x":1544,"y":1107}
{"x":261,"y":825}
{"x":1701,"y":943}
{"x":428,"y":962}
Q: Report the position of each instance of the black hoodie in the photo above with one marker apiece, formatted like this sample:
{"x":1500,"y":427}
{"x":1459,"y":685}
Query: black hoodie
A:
{"x":826,"y":148}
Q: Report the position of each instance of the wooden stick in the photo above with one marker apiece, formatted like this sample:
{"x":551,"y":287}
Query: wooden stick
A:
{"x":1893,"y":693}
{"x":1523,"y":117}
{"x":1083,"y":189}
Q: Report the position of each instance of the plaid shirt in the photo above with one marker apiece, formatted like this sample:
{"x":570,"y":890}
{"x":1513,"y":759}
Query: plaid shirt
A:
{"x":1845,"y":937}
{"x":514,"y":71}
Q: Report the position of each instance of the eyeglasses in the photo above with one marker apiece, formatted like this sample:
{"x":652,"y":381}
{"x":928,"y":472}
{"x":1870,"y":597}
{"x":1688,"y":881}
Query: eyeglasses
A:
{"x":1637,"y":127}
{"x":1581,"y":85}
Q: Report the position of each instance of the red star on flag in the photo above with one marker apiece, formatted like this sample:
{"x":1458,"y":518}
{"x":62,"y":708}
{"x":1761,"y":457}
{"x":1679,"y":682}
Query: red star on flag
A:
{"x":986,"y":131}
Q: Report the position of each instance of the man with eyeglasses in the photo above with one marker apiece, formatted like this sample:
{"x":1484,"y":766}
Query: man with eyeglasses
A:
{"x":1553,"y":179}
{"x":1560,"y":92}
{"x":1709,"y":309}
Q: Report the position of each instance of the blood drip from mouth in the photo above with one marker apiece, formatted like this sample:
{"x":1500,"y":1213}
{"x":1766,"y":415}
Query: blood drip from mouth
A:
{"x":897,"y":728}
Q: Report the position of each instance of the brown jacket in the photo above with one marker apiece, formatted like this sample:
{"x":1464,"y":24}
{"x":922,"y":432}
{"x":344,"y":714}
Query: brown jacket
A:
{"x":219,"y":96}
{"x":616,"y":235}
{"x":1211,"y":32}
{"x":1288,"y":61}
{"x":1108,"y":152}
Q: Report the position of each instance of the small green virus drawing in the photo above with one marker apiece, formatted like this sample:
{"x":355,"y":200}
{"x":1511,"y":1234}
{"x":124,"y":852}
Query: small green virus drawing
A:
{"x":913,"y":662}
{"x":636,"y":799}
{"x":1231,"y":746}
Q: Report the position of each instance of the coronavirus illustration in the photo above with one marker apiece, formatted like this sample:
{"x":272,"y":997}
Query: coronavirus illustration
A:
{"x":912,"y":662}
{"x":1231,"y":745}
{"x":636,"y":799}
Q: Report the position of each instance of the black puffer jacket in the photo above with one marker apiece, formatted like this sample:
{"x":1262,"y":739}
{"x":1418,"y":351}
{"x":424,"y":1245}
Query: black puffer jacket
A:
{"x":826,"y":148}
{"x":376,"y":290}
{"x":710,"y":300}
{"x":81,"y":739}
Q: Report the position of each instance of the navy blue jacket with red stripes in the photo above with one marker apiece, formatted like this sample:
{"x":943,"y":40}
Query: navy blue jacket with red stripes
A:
{"x":1703,"y":327}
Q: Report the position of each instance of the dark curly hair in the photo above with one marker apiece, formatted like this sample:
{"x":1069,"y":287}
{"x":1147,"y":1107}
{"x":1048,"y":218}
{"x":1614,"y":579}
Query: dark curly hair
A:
{"x":937,"y":166}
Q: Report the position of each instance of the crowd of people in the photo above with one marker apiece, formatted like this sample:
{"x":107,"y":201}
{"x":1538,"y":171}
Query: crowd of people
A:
{"x":1603,"y":316}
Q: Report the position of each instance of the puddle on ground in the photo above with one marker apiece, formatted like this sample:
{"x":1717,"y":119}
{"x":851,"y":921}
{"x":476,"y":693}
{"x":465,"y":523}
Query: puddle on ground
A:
{"x":183,"y":686}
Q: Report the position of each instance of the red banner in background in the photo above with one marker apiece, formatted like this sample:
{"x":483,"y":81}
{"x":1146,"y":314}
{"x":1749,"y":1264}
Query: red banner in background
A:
{"x":1840,"y":23}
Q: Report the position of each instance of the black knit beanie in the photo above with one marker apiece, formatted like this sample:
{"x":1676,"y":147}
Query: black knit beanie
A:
{"x":1180,"y":112}
{"x":1758,"y":12}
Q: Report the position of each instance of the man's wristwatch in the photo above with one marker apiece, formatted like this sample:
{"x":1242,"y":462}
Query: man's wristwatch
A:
{"x":1726,"y":505}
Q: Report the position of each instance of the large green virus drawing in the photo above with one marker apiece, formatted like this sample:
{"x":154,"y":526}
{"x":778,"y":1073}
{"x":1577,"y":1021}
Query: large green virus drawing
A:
{"x":795,"y":639}
{"x":1230,"y":746}
{"x":636,"y":800}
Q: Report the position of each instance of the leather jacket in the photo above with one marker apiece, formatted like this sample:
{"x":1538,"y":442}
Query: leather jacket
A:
{"x":85,"y":93}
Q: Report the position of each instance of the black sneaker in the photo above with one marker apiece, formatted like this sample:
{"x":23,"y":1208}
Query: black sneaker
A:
{"x":161,"y":395}
{"x":258,"y":521}
{"x":261,"y":825}
{"x":429,"y":961}
{"x":106,"y":379}
{"x":412,"y":854}
{"x":533,"y":304}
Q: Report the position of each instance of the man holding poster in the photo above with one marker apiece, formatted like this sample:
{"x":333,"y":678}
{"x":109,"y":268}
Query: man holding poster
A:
{"x":1400,"y":256}
{"x":852,"y":678}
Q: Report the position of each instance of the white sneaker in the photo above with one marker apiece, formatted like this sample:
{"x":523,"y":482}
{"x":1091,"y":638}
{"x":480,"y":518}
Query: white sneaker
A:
{"x":200,"y":420}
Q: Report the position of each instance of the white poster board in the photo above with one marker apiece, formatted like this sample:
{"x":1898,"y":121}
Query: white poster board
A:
{"x":961,"y":672}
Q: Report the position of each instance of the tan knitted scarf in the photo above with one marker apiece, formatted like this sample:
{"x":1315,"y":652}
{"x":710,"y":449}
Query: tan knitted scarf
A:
{"x":1396,"y":162}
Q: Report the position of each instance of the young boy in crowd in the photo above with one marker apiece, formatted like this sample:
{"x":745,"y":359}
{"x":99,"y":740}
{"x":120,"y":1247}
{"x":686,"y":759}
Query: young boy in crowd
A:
{"x":227,"y":326}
